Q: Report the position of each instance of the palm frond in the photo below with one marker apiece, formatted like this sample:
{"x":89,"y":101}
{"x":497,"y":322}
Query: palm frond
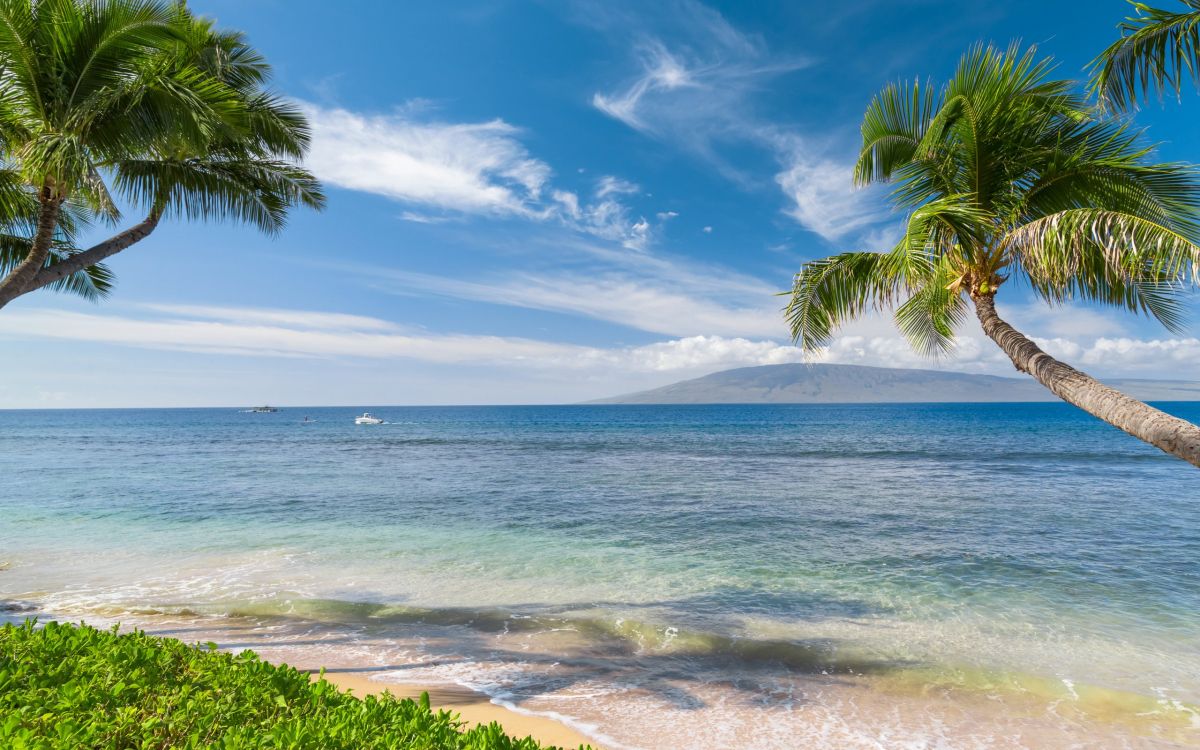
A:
{"x":1145,"y":290}
{"x":1053,"y":249}
{"x":930,"y":316}
{"x":1157,"y":50}
{"x":255,"y":191}
{"x":102,"y":46}
{"x":1107,"y":164}
{"x":17,"y":48}
{"x":278,"y":127}
{"x":892,"y":129}
{"x":941,"y":226}
{"x":831,"y":291}
{"x":1108,"y":257}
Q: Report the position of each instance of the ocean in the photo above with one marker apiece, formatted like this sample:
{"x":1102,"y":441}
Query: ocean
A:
{"x":661,"y":577}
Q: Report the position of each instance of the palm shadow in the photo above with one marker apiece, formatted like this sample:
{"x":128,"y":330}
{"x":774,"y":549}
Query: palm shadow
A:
{"x":717,"y":651}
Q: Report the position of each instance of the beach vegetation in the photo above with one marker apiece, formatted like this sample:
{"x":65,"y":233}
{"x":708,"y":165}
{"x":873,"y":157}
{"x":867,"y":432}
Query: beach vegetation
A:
{"x":138,"y":105}
{"x":66,"y":686}
{"x":1011,"y":177}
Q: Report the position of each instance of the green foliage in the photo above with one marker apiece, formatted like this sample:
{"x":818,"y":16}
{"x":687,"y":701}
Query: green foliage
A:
{"x":140,"y":101}
{"x":68,"y":686}
{"x":1006,"y":174}
{"x":1157,"y":50}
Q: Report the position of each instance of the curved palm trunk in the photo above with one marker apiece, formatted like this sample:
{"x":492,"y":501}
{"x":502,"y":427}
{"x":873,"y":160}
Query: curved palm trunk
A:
{"x":44,"y":275}
{"x":1165,"y":432}
{"x":95,"y":254}
{"x":14,"y":284}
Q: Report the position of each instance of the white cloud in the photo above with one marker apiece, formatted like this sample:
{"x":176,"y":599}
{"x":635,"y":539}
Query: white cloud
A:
{"x":569,"y":202}
{"x":684,"y":306}
{"x":648,"y":291}
{"x":883,"y":238}
{"x":469,"y":167}
{"x":366,"y":360}
{"x":253,"y":332}
{"x":707,"y":353}
{"x":609,"y":185}
{"x":273,"y":333}
{"x":296,"y":333}
{"x":419,"y":218}
{"x":462,"y":169}
{"x":705,"y":101}
{"x":695,"y":100}
{"x":1065,"y":321}
{"x":321,"y":321}
{"x":1162,"y":358}
{"x":661,"y":72}
{"x":824,"y":199}
{"x":608,"y":218}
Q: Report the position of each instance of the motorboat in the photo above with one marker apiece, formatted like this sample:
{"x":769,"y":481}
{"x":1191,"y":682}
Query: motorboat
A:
{"x":367,"y":418}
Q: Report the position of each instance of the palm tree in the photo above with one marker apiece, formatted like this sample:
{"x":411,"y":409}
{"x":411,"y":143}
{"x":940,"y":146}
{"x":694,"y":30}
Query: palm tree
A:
{"x":1008,"y":177}
{"x":138,"y":100}
{"x":1156,"y":50}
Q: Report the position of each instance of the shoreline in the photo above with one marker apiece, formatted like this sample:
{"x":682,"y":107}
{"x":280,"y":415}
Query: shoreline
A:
{"x":1016,"y":720}
{"x":472,"y":706}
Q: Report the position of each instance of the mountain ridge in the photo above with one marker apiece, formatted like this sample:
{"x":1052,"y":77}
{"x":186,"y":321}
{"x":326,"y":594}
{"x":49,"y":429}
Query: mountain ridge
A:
{"x":829,"y":384}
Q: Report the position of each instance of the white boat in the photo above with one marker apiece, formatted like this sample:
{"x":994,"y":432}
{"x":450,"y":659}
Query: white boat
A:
{"x":367,"y":418}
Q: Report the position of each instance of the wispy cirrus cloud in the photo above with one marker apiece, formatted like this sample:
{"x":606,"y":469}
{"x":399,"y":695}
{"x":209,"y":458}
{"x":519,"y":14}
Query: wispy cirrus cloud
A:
{"x":605,"y":215}
{"x":674,"y":307}
{"x":651,"y":291}
{"x":699,"y":96}
{"x":662,"y":73}
{"x":253,"y":332}
{"x":276,"y":333}
{"x":822,"y":198}
{"x":700,"y":92}
{"x":319,"y":321}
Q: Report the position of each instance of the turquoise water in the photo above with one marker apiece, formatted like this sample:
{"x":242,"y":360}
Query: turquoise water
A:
{"x":915,"y":575}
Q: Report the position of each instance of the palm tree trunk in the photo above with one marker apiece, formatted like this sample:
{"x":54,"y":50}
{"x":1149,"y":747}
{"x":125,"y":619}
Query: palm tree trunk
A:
{"x":14,"y":284}
{"x":95,"y":254}
{"x":1165,"y":432}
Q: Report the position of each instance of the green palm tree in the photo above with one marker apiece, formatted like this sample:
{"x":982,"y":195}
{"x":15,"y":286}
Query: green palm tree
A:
{"x":1157,"y":50}
{"x":1009,"y":178}
{"x":138,"y":101}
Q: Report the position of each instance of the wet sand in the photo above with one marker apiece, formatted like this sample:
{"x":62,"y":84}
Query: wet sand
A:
{"x":568,"y":686}
{"x":473,"y":707}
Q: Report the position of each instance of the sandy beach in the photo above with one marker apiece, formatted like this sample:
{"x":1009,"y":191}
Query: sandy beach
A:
{"x":472,"y":706}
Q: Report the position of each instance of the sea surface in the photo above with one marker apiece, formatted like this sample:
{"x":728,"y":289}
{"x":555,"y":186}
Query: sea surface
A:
{"x":661,"y":577}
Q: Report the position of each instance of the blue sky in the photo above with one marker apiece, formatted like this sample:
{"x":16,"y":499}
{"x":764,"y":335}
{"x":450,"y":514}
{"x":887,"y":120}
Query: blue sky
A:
{"x":554,"y":201}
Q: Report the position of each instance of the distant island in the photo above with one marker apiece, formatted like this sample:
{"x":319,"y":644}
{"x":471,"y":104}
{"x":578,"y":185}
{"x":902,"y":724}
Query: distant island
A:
{"x":857,"y":384}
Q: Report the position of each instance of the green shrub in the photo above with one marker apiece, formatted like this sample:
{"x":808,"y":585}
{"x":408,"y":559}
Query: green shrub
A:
{"x":73,"y":686}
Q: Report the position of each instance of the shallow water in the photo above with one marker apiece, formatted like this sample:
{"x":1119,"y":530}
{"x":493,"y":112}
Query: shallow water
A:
{"x":665,"y":577}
